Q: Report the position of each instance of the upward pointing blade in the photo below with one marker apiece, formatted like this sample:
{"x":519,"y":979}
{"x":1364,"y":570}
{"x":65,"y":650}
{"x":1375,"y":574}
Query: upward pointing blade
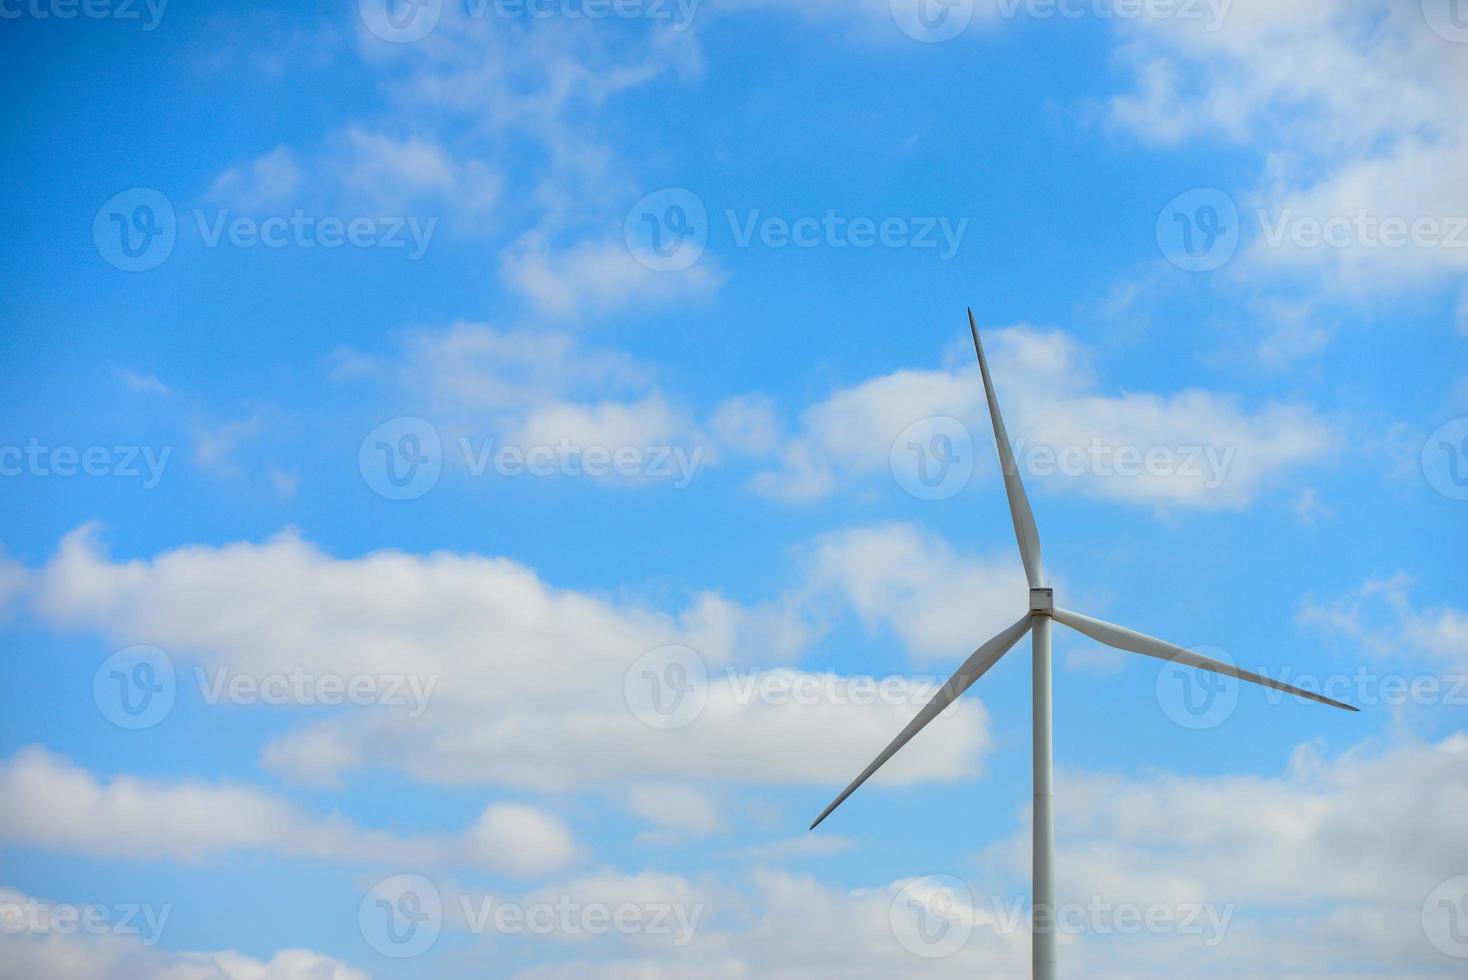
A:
{"x":1019,"y":505}
{"x":1125,"y":639}
{"x":972,"y":669}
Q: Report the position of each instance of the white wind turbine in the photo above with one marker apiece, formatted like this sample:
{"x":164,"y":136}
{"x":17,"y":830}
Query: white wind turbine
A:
{"x":1042,"y":610}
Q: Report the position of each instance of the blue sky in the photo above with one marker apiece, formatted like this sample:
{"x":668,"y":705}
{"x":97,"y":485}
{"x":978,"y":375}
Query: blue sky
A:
{"x":505,"y":374}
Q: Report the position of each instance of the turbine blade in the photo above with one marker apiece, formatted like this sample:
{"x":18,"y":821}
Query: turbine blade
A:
{"x":1019,"y":505}
{"x":1125,"y":639}
{"x":971,"y":670}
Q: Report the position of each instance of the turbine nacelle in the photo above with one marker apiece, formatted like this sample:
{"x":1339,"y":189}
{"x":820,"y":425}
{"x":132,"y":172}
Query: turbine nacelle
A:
{"x":1042,"y":601}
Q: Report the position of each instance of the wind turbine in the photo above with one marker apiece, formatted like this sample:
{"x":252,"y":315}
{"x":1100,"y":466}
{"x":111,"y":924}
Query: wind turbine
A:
{"x":1037,"y":621}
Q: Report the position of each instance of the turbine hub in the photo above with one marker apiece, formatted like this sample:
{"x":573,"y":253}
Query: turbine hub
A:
{"x":1042,"y":602}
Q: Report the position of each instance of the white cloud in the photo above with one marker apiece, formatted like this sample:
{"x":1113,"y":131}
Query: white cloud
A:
{"x":1319,"y":872}
{"x":677,"y":810}
{"x":47,"y":801}
{"x":594,"y":277}
{"x":1380,"y":617}
{"x":1210,"y":451}
{"x":137,"y":381}
{"x":215,"y":446}
{"x":531,"y":679}
{"x":1344,"y":104}
{"x":939,"y":603}
{"x":14,"y":580}
{"x":399,"y":173}
{"x":473,"y":367}
{"x":524,"y":841}
{"x":794,"y":848}
{"x":531,"y":388}
{"x":32,"y":947}
{"x":267,"y":182}
{"x":747,"y":424}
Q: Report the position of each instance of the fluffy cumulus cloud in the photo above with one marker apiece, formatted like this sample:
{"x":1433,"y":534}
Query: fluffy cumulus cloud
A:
{"x":1188,"y":449}
{"x":1380,"y":617}
{"x":40,"y":938}
{"x":1345,"y":103}
{"x":546,"y":396}
{"x":1321,"y":871}
{"x":942,"y":604}
{"x":594,"y":277}
{"x":534,"y":686}
{"x":48,"y":801}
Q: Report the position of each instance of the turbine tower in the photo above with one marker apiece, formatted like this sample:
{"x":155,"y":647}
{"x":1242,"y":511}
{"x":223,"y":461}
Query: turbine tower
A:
{"x":1037,"y":621}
